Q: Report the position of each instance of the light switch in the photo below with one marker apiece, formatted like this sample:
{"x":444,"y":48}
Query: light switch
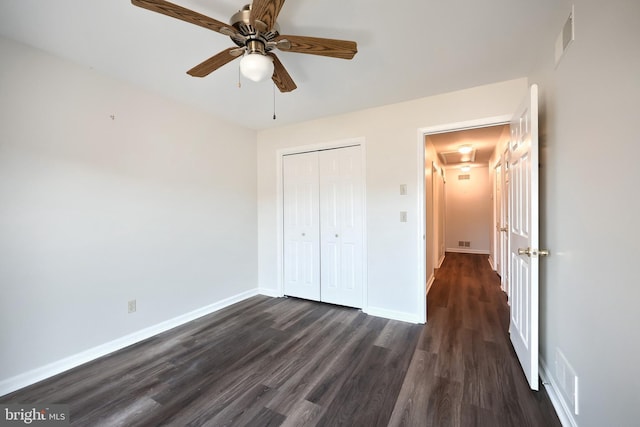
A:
{"x":403,"y":216}
{"x":403,"y":189}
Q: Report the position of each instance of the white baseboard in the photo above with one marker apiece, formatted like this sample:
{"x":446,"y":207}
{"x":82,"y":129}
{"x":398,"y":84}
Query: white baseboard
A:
{"x":557,"y":400}
{"x":468,"y":251}
{"x":269,"y":292}
{"x":393,"y":315}
{"x":440,"y":261}
{"x":31,"y":377}
{"x":491,"y":263}
{"x":430,"y":283}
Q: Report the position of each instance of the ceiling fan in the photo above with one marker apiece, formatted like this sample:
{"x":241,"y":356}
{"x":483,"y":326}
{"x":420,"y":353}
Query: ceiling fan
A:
{"x":256,"y":34}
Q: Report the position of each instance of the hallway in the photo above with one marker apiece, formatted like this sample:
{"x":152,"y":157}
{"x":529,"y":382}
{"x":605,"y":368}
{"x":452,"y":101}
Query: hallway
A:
{"x":464,"y":371}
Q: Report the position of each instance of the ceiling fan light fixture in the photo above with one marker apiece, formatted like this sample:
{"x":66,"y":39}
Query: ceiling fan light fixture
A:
{"x":256,"y":66}
{"x":465,"y":149}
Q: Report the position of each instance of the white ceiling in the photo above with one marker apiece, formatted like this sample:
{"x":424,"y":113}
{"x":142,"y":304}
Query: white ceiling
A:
{"x":407,"y":49}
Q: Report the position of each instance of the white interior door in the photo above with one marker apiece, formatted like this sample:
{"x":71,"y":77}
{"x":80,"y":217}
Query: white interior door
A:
{"x":301,"y":226}
{"x":341,"y":226}
{"x":523,"y":235}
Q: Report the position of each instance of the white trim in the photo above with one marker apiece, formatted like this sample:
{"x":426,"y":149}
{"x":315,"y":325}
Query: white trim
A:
{"x":393,"y":315}
{"x":469,"y":124}
{"x":360,"y":141}
{"x":422,"y":232}
{"x":422,"y":241}
{"x":38,"y":374}
{"x":441,"y":260}
{"x":557,"y":400}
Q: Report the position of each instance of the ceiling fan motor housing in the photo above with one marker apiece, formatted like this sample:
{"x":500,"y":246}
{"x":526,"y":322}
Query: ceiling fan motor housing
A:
{"x":256,"y":38}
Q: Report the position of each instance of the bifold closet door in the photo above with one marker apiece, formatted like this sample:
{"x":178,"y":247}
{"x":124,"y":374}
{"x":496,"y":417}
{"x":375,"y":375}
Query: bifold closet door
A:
{"x":323,"y":226}
{"x":301,"y":226}
{"x":341,"y":222}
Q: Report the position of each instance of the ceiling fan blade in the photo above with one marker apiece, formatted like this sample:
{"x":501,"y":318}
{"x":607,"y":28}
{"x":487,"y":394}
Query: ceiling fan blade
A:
{"x":343,"y":49}
{"x":265,"y":11}
{"x":210,"y":65}
{"x":281,"y":77}
{"x":179,"y":12}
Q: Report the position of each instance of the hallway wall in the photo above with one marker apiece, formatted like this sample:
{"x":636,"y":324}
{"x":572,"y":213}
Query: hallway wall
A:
{"x":468,"y":210}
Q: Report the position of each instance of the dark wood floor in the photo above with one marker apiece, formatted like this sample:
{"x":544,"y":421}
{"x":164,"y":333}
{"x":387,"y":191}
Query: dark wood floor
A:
{"x":290,"y":362}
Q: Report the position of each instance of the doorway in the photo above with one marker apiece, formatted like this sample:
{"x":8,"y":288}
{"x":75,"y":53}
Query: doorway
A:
{"x":442,"y":159}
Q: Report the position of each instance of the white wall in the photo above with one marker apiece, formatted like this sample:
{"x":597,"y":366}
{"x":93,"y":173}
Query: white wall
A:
{"x":590,"y":289}
{"x":393,"y":147}
{"x":158,"y":205}
{"x":468,"y":210}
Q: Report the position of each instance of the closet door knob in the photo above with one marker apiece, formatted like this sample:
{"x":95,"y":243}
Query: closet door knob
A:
{"x":336,"y":235}
{"x":303,"y":234}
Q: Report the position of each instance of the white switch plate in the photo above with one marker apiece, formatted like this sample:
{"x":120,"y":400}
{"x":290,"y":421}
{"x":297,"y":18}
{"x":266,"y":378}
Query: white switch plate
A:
{"x":403,"y":189}
{"x":132,"y":306}
{"x":403,"y":216}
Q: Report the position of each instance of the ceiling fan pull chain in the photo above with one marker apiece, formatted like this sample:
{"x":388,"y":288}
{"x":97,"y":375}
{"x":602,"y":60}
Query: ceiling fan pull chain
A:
{"x":239,"y":78}
{"x":274,"y":101}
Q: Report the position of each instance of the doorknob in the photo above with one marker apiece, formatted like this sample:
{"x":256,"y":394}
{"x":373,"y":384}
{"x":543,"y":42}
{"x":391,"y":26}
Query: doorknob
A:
{"x":304,"y":234}
{"x":523,"y":251}
{"x":535,"y":252}
{"x":503,"y":229}
{"x":336,"y":235}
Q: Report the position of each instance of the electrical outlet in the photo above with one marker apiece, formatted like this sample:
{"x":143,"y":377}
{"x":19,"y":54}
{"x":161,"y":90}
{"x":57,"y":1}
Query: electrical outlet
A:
{"x":132,"y":306}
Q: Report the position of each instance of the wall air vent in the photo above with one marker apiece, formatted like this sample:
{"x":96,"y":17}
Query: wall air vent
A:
{"x":566,"y":36}
{"x":463,"y":177}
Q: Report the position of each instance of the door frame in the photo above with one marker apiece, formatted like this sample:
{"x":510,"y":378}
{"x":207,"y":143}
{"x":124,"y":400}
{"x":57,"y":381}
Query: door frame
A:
{"x":299,"y":149}
{"x":422,"y":202}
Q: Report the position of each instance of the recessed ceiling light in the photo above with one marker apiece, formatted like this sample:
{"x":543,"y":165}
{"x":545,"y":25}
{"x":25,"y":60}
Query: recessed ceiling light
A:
{"x":465,"y":168}
{"x":465,"y":149}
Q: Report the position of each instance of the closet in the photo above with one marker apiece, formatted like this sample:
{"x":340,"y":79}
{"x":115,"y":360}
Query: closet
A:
{"x":323,"y":226}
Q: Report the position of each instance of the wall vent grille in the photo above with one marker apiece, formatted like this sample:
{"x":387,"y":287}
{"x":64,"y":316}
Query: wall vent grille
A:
{"x":566,"y":36}
{"x":463,"y":177}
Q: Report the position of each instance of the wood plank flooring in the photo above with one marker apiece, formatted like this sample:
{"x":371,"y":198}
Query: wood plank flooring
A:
{"x":276,"y":361}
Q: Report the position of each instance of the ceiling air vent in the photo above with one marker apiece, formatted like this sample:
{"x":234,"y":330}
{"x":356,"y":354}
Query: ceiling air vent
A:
{"x":465,"y":176}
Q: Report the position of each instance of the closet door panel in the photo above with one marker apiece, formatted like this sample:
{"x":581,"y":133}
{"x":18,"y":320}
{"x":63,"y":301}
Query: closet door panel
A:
{"x":301,"y":226}
{"x":341,"y":226}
